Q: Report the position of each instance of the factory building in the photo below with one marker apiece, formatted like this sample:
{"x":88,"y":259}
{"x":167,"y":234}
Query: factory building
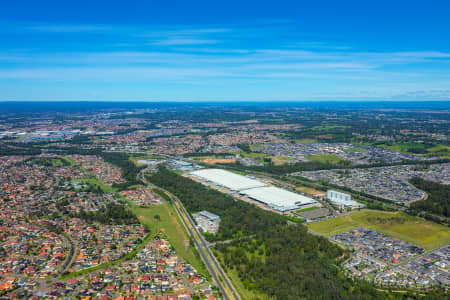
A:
{"x":273,"y":197}
{"x":231,"y":181}
{"x":342,"y":200}
{"x":279,"y":199}
{"x":207,"y":222}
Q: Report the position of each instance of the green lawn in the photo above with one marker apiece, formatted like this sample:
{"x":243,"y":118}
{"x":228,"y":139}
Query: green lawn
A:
{"x":403,"y":147}
{"x":69,"y":160}
{"x":440,"y":150}
{"x":256,"y":147}
{"x":355,"y":149}
{"x":306,"y":141}
{"x":94,"y":181}
{"x":254,"y":154}
{"x":173,"y":229}
{"x":325,"y":158}
{"x":325,"y":127}
{"x":399,"y":225}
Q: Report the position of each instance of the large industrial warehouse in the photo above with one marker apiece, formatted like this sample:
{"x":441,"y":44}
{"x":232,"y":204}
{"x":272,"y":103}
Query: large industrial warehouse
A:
{"x":275,"y":198}
{"x":227,"y":179}
{"x":279,"y":199}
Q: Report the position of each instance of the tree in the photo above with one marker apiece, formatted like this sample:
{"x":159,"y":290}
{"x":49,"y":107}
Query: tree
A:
{"x":157,"y":218}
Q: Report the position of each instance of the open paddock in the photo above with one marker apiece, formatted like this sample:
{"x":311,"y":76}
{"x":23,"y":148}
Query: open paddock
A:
{"x":422,"y":233}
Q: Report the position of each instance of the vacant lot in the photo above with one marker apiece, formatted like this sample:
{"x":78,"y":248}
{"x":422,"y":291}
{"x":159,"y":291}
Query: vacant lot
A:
{"x":214,"y":161}
{"x":314,"y":214}
{"x":325,"y":158}
{"x":355,"y":149}
{"x":310,"y":191}
{"x":306,"y":141}
{"x":172,"y":227}
{"x":399,"y":225}
{"x":441,"y":150}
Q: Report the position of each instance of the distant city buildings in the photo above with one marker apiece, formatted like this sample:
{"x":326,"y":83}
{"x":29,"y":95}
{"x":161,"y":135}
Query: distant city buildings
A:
{"x":208,"y":222}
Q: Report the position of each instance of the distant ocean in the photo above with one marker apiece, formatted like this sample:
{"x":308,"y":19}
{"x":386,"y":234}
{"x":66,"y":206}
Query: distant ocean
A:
{"x":80,"y":106}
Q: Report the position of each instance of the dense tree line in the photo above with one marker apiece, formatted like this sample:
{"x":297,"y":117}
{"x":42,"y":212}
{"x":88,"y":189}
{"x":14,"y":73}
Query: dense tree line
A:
{"x":13,"y":149}
{"x":245,"y":147}
{"x":122,"y":160}
{"x":54,"y":228}
{"x":48,"y":162}
{"x":287,"y":168}
{"x":237,"y":217}
{"x":270,"y":257}
{"x":129,"y":169}
{"x":80,"y":139}
{"x":285,"y":262}
{"x":113,"y":214}
{"x":438,"y":201}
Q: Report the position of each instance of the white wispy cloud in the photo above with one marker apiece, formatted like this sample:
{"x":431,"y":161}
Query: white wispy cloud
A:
{"x":183,"y":41}
{"x":124,"y":74}
{"x":319,"y":45}
{"x":69,"y":28}
{"x":424,"y":54}
{"x":210,"y":55}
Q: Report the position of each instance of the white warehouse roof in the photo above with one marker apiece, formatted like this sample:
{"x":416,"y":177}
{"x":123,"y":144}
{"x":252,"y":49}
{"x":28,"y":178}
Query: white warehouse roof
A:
{"x":277,"y":198}
{"x":227,"y":179}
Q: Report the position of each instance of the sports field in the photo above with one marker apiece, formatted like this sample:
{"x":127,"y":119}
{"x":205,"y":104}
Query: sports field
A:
{"x":425,"y":234}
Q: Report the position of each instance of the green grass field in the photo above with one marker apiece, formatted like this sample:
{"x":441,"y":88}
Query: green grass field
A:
{"x":440,"y":150}
{"x":325,"y":127}
{"x":425,"y":234}
{"x":306,"y":141}
{"x":173,"y":229}
{"x":403,"y":147}
{"x":281,"y":160}
{"x":325,"y":158}
{"x":355,"y":149}
{"x":254,"y":154}
{"x":94,"y":181}
{"x":69,"y":160}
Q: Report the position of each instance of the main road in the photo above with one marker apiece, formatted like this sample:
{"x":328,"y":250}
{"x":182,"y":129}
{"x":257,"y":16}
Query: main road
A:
{"x":223,"y":282}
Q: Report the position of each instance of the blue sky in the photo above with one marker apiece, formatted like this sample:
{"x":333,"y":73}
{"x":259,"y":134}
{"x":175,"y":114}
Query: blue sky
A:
{"x":224,"y":50}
